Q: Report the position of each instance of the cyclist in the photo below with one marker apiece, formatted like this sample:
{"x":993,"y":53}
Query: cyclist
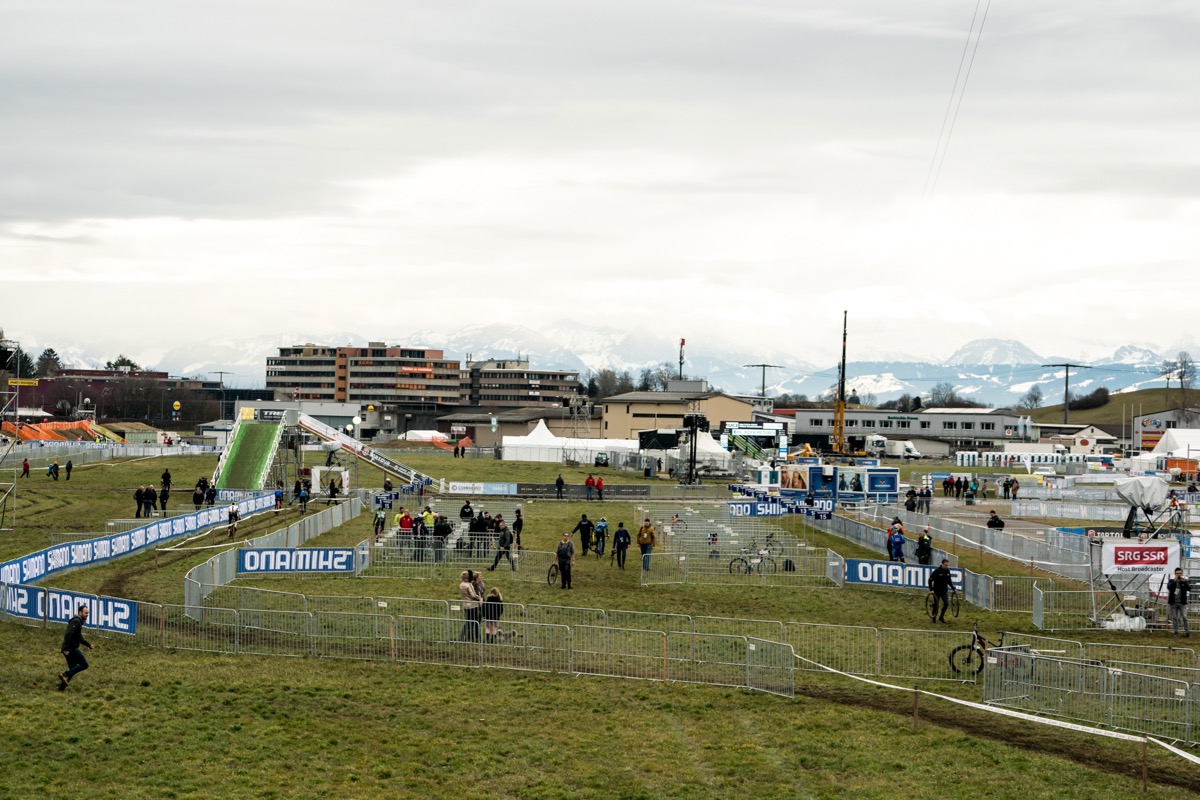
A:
{"x":233,"y":519}
{"x":940,"y":583}
{"x":599,"y":536}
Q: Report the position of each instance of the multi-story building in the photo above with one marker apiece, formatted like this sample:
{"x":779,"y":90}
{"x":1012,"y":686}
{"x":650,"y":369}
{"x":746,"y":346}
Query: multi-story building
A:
{"x":416,"y":380}
{"x":512,"y":383}
{"x":627,"y":414}
{"x":952,"y":428}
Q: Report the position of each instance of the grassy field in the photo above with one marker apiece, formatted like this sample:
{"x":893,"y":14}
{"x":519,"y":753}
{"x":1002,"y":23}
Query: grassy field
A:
{"x":1119,"y":406}
{"x":146,"y":723}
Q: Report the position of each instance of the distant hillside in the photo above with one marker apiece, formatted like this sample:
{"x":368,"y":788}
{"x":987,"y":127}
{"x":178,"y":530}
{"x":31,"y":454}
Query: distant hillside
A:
{"x":1143,"y":401}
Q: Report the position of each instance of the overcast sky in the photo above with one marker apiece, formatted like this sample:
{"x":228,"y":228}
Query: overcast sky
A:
{"x":711,"y":170}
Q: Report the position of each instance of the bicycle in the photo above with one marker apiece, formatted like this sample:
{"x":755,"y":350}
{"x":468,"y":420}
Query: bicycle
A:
{"x":752,"y":560}
{"x":931,"y":603}
{"x":970,"y":658}
{"x":552,"y":574}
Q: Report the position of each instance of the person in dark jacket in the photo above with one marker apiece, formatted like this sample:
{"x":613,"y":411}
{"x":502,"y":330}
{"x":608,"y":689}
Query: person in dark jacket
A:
{"x":1178,"y":591}
{"x":198,"y":498}
{"x":517,"y":526}
{"x":504,"y":548}
{"x":621,"y":542}
{"x":924,"y":546}
{"x":210,"y":495}
{"x":584,"y":528}
{"x":139,"y":501}
{"x":76,"y":663}
{"x":166,"y":479}
{"x":150,"y":497}
{"x":995,"y":521}
{"x":163,"y":497}
{"x":69,"y":467}
{"x":940,"y":583}
{"x":558,"y":486}
{"x":493,"y":610}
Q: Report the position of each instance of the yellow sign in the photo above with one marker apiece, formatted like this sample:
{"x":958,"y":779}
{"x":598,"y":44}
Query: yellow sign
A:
{"x":176,"y":405}
{"x":22,"y":382}
{"x":248,"y":413}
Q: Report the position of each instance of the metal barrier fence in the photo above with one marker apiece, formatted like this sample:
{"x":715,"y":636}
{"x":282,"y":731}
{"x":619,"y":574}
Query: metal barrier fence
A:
{"x":819,"y":568}
{"x":874,"y":537}
{"x":1093,"y":693}
{"x":1058,"y":610}
{"x":221,"y":569}
{"x":42,"y":455}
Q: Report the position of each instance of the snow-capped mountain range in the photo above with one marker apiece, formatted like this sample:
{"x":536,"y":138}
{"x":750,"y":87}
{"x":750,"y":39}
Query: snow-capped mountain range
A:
{"x":991,"y":371}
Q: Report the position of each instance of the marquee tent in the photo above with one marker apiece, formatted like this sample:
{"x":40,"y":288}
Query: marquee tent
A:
{"x":1179,"y":443}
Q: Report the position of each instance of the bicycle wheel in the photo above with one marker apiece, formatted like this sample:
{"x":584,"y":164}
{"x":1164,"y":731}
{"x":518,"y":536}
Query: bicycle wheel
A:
{"x":954,"y":605}
{"x":966,"y":659}
{"x":552,"y":574}
{"x":738,"y":566}
{"x":766,"y":565}
{"x":930,"y":600}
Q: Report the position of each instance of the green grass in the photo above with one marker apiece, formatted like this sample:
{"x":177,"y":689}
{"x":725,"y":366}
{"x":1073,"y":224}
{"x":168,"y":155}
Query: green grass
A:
{"x":147,"y":723}
{"x":1120,"y":407}
{"x":248,"y":456}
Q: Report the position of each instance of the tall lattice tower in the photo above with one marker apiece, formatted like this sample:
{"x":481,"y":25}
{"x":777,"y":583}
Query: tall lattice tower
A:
{"x":580,"y":409}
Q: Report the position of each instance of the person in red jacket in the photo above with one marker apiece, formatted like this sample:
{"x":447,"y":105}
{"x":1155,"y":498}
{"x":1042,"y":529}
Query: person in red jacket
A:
{"x":589,"y":484}
{"x":600,"y":487}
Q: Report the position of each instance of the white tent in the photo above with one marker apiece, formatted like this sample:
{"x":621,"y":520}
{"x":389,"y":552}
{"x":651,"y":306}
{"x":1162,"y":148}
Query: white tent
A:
{"x":1179,"y":443}
{"x":424,"y":436}
{"x":541,"y":444}
{"x":708,"y":450}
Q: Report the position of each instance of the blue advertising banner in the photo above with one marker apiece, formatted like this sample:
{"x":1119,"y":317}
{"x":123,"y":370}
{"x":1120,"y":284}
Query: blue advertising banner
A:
{"x":54,"y":605}
{"x":301,"y":559}
{"x":747,"y":508}
{"x":893,"y":573}
{"x":822,"y":484}
{"x":43,"y":563}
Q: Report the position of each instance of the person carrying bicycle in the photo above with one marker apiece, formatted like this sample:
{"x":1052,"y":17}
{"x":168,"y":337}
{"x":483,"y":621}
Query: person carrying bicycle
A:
{"x":940,"y":585}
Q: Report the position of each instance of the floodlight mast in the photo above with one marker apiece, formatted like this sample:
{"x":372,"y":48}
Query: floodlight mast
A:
{"x":839,"y":405}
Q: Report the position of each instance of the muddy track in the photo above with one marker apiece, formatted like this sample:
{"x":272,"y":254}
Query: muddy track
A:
{"x":1118,"y":758}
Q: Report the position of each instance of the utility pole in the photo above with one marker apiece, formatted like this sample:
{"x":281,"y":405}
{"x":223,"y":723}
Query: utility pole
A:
{"x":763,"y":392}
{"x":222,"y":374}
{"x":1067,"y":387}
{"x":682,"y":342}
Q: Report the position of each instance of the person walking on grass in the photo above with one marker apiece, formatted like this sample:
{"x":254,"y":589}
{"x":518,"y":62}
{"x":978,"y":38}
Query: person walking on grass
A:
{"x":76,"y":663}
{"x":68,"y":468}
{"x":503,"y":547}
{"x":599,"y":485}
{"x":163,"y":497}
{"x":621,"y":542}
{"x":1178,"y":591}
{"x":565,"y":554}
{"x":558,"y":487}
{"x":584,"y":528}
{"x":25,"y":468}
{"x":940,"y":583}
{"x":233,"y":519}
{"x":645,"y":540}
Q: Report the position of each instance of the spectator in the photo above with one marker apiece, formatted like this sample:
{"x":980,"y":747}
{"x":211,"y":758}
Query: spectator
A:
{"x":1016,"y":487}
{"x":503,"y":547}
{"x":493,"y":610}
{"x":621,"y":541}
{"x":69,"y":467}
{"x":380,"y":524}
{"x":599,"y":485}
{"x":558,"y":486}
{"x":645,"y":540}
{"x":163,"y":497}
{"x":924,"y":546}
{"x":166,"y":479}
{"x":472,"y":607}
{"x":1178,"y":591}
{"x":1007,"y":487}
{"x":517,"y":526}
{"x":198,"y":498}
{"x":333,"y":492}
{"x":210,"y":496}
{"x":995,"y":521}
{"x":150,"y":497}
{"x":584,"y":528}
{"x":466,"y":512}
{"x":589,"y":485}
{"x":565,"y":555}
{"x":25,"y":468}
{"x":441,"y":531}
{"x":139,"y":502}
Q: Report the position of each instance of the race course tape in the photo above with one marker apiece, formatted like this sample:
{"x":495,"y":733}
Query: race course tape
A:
{"x":1010,"y":713}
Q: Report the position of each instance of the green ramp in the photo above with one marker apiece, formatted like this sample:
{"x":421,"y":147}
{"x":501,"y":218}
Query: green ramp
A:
{"x":250,"y":454}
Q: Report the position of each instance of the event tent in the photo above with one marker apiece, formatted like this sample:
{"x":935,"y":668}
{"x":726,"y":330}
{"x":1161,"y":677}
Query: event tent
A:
{"x":1179,"y":443}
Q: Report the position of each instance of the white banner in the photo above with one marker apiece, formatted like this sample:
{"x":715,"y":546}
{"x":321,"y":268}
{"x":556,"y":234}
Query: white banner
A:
{"x":1152,"y":558}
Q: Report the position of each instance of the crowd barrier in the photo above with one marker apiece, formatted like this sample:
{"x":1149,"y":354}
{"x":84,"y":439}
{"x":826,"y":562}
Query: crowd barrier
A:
{"x":816,"y":569}
{"x":80,"y":453}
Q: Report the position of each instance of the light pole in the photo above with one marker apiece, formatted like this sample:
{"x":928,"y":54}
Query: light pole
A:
{"x":221,"y":374}
{"x":356,"y":422}
{"x":162,"y":396}
{"x":407,"y":419}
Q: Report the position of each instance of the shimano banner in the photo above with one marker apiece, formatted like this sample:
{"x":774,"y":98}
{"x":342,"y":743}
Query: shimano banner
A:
{"x":301,"y":559}
{"x":56,"y":605}
{"x":893,"y":573}
{"x":744,"y":508}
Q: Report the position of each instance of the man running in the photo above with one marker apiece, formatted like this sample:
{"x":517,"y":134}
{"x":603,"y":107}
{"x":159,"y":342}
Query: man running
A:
{"x":940,"y":583}
{"x":76,"y":663}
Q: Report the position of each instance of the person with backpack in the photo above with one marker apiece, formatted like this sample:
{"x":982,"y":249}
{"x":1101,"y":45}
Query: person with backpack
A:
{"x":621,"y":542}
{"x":565,"y":555}
{"x":599,"y":536}
{"x":380,"y":524}
{"x":924,"y":546}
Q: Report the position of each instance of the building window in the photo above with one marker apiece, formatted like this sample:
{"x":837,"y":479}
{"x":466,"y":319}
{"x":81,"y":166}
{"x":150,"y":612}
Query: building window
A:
{"x":868,"y":423}
{"x":968,"y":426}
{"x":987,"y":426}
{"x":885,"y":423}
{"x":924,"y":424}
{"x":851,"y":423}
{"x":949,"y":426}
{"x":816,"y":423}
{"x":903,"y":424}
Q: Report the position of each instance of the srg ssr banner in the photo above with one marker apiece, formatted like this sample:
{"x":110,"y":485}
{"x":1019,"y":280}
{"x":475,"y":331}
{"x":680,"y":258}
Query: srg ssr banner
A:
{"x":1151,"y":558}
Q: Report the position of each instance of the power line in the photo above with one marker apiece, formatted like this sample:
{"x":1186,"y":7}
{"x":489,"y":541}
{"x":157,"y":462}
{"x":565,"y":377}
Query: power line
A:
{"x":1067,"y":386}
{"x":931,"y":185}
{"x":764,"y":374}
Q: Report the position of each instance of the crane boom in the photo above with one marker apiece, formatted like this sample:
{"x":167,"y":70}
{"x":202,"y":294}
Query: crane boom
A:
{"x":839,"y":406}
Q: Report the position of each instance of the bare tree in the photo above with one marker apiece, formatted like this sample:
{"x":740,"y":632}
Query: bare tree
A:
{"x":1033,"y":398}
{"x":1185,"y":370}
